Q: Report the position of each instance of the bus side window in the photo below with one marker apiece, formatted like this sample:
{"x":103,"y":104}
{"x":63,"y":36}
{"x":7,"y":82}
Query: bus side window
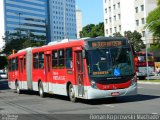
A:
{"x":35,"y":60}
{"x":41,"y":60}
{"x":54,"y":59}
{"x":69,"y":58}
{"x":61,"y":58}
{"x":10,"y":65}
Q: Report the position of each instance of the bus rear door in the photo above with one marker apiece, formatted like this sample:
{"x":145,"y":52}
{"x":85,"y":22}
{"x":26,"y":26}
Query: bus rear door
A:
{"x":48,"y":68}
{"x":22,"y":71}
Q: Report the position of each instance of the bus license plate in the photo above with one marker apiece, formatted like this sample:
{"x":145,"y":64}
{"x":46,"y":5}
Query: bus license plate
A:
{"x":115,"y":94}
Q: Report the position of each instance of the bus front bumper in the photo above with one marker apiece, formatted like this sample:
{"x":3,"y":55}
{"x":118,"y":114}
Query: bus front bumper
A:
{"x":96,"y":93}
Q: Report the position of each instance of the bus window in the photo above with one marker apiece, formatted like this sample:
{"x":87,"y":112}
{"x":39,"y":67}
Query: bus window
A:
{"x":61,"y":58}
{"x":54,"y":59}
{"x":35,"y":60}
{"x":41,"y":60}
{"x":68,"y":58}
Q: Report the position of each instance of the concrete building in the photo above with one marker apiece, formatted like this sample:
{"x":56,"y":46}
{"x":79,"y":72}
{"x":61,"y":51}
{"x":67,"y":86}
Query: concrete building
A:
{"x":118,"y":16}
{"x":2,"y":24}
{"x":142,"y":9}
{"x":62,"y":19}
{"x":126,"y":15}
{"x":79,"y":22}
{"x":25,"y":18}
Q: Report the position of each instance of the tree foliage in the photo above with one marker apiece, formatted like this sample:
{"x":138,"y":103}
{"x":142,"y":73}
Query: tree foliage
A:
{"x":92,"y":30}
{"x":153,"y":22}
{"x":158,"y":2}
{"x":3,"y":62}
{"x":117,"y":34}
{"x":135,"y":39}
{"x":15,"y":43}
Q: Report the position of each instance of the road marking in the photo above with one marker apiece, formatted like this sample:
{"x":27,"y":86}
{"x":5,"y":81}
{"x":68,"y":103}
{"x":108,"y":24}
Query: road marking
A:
{"x":111,"y":106}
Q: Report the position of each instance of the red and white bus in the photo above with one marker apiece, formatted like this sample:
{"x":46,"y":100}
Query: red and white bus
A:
{"x":142,"y":66}
{"x":88,"y":68}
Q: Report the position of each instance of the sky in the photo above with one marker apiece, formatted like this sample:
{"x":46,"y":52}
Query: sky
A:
{"x":92,"y":11}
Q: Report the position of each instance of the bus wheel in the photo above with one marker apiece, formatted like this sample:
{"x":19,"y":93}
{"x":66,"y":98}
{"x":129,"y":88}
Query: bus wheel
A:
{"x":41,"y":91}
{"x":71,"y":93}
{"x":17,"y":88}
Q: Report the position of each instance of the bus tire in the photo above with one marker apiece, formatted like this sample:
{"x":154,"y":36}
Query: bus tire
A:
{"x":17,"y":88}
{"x":41,"y":90}
{"x":71,"y":93}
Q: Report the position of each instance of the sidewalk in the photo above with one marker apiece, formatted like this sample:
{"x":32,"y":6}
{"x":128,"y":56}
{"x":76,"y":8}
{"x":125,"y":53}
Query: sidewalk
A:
{"x":150,"y":79}
{"x":151,"y":83}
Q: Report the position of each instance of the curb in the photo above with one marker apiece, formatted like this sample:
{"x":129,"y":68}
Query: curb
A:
{"x":149,"y":83}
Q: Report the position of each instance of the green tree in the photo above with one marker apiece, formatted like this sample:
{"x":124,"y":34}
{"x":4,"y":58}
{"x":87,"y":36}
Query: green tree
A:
{"x":153,"y":21}
{"x":135,"y":39}
{"x":15,"y":43}
{"x":92,"y":30}
{"x":117,"y":34}
{"x":3,"y":62}
{"x":158,"y":2}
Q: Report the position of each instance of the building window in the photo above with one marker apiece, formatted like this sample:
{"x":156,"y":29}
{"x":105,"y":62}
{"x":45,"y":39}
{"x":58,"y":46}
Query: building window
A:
{"x":119,"y":16}
{"x":106,"y":10}
{"x":107,"y":31}
{"x":136,"y":9}
{"x":119,"y":27}
{"x":143,"y":33}
{"x":114,"y":18}
{"x":143,"y":22}
{"x":109,"y":9}
{"x":110,"y":19}
{"x":115,"y":29}
{"x":106,"y":21}
{"x":142,"y":7}
{"x":118,"y":5}
{"x":137,"y":22}
{"x":111,"y":30}
{"x":114,"y":6}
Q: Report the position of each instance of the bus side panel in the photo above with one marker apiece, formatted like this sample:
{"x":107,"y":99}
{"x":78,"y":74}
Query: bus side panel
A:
{"x":29,"y":69}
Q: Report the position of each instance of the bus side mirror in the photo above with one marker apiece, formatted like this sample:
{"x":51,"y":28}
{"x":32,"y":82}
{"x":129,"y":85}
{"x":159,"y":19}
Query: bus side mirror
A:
{"x":83,"y":54}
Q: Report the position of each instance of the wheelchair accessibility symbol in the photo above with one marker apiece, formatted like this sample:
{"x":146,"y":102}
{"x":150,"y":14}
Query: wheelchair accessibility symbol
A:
{"x":116,"y":72}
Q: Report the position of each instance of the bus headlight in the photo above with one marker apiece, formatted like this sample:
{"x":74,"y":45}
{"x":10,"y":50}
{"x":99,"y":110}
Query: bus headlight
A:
{"x":93,"y":84}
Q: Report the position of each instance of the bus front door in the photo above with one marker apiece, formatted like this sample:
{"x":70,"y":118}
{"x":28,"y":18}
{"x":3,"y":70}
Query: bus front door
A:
{"x":79,"y":73}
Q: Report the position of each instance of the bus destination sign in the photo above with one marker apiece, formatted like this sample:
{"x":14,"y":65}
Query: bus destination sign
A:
{"x":102,"y":44}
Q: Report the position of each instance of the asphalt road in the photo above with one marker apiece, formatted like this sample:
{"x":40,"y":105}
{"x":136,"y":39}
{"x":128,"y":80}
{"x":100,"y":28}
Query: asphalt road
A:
{"x":29,"y":105}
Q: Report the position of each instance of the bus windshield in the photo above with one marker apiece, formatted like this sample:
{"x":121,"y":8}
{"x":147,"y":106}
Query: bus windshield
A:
{"x":110,"y":62}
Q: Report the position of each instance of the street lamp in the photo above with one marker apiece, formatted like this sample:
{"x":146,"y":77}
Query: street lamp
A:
{"x":19,"y":22}
{"x":64,"y":15}
{"x":147,"y":45}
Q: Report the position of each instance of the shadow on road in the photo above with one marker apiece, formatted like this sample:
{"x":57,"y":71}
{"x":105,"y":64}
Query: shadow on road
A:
{"x":125,"y":99}
{"x":3,"y":84}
